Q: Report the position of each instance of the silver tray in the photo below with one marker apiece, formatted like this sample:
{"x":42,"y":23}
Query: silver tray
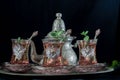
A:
{"x":35,"y":74}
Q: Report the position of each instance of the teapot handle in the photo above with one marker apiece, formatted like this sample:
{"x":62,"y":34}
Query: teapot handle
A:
{"x":33,"y":55}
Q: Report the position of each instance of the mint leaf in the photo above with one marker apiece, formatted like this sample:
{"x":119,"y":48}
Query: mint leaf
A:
{"x":115,"y":64}
{"x":86,"y":33}
{"x":86,"y":38}
{"x":82,"y":33}
{"x":53,"y":34}
{"x":59,"y":33}
{"x":18,"y":39}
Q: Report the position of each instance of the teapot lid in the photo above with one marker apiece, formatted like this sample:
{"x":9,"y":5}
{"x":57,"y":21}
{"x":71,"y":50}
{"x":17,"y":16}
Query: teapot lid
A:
{"x":58,"y":23}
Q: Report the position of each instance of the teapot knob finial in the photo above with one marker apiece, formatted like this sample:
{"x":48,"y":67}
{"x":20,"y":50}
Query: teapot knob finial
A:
{"x":58,"y":15}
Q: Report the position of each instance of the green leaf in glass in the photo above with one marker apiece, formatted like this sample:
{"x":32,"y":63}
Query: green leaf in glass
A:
{"x":86,"y":38}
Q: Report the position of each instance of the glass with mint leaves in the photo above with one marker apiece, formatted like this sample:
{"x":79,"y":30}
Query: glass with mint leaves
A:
{"x":52,"y":48}
{"x":87,"y":48}
{"x":20,"y":49}
{"x":52,"y":52}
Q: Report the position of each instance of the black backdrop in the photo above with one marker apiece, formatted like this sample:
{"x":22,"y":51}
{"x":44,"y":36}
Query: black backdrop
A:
{"x":22,"y":17}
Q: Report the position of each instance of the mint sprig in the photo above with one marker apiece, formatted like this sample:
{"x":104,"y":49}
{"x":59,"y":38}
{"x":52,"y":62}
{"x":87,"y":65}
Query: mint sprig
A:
{"x":86,"y":37}
{"x":19,"y":39}
{"x":57,"y":34}
{"x":115,"y":64}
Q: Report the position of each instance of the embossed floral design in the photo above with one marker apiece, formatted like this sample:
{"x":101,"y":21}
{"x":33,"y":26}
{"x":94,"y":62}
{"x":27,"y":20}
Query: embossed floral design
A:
{"x":18,"y":51}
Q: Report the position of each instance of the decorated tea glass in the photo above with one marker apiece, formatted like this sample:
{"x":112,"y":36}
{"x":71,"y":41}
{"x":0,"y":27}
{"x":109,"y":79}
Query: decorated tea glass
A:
{"x":20,"y":50}
{"x":52,"y":52}
{"x":87,"y":51}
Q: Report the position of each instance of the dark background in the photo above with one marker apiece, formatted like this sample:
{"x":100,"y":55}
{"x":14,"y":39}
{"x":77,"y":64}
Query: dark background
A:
{"x":19,"y":18}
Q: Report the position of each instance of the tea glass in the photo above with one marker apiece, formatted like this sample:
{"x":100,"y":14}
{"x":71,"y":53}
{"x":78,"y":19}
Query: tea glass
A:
{"x":87,"y":51}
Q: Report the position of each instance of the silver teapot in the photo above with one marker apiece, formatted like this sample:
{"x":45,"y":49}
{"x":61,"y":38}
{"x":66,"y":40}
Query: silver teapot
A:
{"x":68,"y":53}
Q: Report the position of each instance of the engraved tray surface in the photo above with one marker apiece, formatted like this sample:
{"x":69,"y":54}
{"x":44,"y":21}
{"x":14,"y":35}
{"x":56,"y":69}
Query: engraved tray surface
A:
{"x":42,"y":71}
{"x":35,"y":74}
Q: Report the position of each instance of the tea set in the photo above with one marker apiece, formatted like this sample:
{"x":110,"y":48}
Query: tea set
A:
{"x":58,"y":50}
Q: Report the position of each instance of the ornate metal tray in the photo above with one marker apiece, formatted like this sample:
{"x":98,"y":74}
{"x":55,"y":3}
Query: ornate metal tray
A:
{"x":51,"y":71}
{"x":34,"y":74}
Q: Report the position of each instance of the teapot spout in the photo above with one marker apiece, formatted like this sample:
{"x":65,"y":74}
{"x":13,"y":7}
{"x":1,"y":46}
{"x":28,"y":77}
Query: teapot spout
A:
{"x":34,"y":56}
